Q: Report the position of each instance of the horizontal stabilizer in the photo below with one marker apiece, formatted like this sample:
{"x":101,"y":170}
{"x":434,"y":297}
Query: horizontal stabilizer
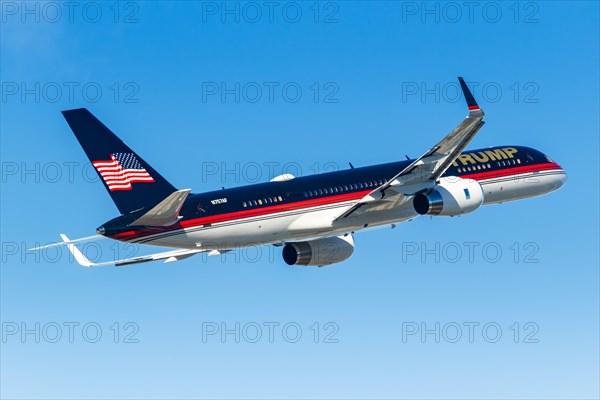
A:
{"x":164,"y":213}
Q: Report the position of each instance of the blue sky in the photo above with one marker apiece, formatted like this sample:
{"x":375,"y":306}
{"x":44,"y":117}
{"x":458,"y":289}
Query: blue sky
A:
{"x":221,"y":95}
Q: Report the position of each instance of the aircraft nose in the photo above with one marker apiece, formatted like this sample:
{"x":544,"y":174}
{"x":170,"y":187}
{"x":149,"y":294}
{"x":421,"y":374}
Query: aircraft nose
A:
{"x":560,"y":178}
{"x":100,"y":230}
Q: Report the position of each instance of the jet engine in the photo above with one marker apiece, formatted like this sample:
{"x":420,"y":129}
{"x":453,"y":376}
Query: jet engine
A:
{"x":319,"y":252}
{"x":452,"y":196}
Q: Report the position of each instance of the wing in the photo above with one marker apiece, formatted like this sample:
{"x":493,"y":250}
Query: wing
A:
{"x":422,"y":173}
{"x":168,"y":256}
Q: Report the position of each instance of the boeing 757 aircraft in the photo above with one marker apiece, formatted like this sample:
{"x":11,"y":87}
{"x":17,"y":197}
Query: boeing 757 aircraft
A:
{"x":314,"y":217}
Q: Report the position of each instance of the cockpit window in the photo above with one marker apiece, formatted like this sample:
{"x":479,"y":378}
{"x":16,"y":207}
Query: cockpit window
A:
{"x":549,"y":159}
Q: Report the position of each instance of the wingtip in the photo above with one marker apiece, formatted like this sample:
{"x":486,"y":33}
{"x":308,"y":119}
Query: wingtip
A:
{"x":65,"y":113}
{"x":77,"y":254}
{"x":471,"y":102}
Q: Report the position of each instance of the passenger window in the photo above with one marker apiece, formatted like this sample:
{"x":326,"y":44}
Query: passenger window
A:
{"x":270,"y":200}
{"x":259,"y":202}
{"x":280,"y":198}
{"x":244,"y":204}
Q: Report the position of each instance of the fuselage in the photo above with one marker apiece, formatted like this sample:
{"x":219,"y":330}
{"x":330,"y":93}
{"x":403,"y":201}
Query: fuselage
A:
{"x":302,"y":208}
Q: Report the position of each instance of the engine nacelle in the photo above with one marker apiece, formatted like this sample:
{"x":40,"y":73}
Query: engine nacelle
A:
{"x":319,"y":252}
{"x":452,"y":196}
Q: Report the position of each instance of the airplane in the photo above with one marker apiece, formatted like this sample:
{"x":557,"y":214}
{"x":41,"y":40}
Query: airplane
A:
{"x":313,"y":218}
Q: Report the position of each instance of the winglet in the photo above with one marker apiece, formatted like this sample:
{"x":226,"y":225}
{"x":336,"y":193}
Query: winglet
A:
{"x":474,"y":108}
{"x":79,"y":257}
{"x":169,"y":256}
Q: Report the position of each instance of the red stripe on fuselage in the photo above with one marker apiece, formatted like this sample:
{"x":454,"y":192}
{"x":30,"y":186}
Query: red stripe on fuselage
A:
{"x":251,"y":212}
{"x":520,"y":169}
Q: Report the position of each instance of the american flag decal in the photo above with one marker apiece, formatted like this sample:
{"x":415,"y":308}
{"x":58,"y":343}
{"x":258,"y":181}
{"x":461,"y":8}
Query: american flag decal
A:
{"x":121,"y":171}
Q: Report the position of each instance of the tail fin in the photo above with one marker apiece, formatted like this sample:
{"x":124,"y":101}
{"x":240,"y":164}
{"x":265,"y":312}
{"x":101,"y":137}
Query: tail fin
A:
{"x":131,"y":182}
